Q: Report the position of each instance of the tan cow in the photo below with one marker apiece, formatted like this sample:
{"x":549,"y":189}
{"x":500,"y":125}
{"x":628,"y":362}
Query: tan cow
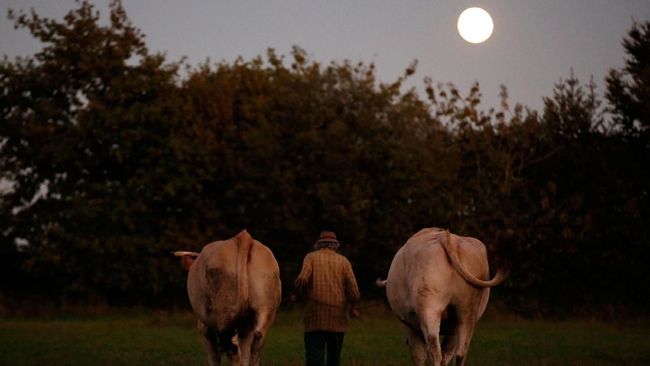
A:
{"x":234,"y":288}
{"x":435,"y":287}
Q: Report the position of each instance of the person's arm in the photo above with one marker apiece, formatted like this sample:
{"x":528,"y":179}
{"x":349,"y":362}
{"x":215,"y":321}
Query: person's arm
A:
{"x":303,"y":278}
{"x":352,"y":291}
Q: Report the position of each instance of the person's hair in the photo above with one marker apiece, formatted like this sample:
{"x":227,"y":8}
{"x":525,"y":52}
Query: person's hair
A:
{"x":326,"y":244}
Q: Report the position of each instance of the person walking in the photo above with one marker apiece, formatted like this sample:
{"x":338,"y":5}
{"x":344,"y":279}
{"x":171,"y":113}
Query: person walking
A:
{"x":330,"y":288}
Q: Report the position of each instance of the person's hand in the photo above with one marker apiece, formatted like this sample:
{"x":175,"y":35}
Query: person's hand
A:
{"x":354,"y":312}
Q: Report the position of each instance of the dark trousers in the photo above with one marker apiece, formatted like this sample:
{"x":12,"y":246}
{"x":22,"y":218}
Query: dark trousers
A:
{"x":315,"y":345}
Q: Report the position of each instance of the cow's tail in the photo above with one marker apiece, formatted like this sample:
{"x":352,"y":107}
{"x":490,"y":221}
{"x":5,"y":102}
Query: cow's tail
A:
{"x":244,"y":243}
{"x":183,"y":253}
{"x":451,"y":248}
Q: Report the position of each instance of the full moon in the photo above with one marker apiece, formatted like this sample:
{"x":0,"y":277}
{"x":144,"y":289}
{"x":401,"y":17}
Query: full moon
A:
{"x":475,"y":25}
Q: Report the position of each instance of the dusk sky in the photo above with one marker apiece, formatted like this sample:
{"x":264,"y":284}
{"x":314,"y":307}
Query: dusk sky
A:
{"x":534,"y":43}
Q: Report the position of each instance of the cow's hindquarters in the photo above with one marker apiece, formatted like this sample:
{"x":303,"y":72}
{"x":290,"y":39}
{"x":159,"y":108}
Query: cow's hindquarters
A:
{"x":417,"y":291}
{"x":264,"y":300}
{"x":427,"y":292}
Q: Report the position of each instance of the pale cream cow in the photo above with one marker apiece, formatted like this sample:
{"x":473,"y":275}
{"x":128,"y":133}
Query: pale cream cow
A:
{"x":436,"y":286}
{"x":234,"y":288}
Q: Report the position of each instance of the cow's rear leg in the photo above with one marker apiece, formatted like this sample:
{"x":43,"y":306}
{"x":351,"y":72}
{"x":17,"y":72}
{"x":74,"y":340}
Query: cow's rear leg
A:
{"x":430,"y":322}
{"x":262,"y":323}
{"x":449,"y":328}
{"x":449,"y":348}
{"x":245,"y":342}
{"x":210,"y":341}
{"x":252,"y":333}
{"x":416,"y":345}
{"x":465,"y":331}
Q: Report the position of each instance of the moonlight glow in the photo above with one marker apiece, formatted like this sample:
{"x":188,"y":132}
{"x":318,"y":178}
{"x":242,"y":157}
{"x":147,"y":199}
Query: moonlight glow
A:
{"x":475,"y":25}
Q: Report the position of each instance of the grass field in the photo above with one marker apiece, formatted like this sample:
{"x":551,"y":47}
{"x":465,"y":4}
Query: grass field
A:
{"x":376,"y":339}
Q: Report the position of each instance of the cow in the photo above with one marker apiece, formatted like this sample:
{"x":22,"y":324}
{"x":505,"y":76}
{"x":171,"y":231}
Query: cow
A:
{"x":435,"y":286}
{"x":234,"y":289}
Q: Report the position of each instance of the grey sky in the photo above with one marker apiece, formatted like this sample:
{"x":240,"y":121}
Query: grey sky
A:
{"x":534,"y":44}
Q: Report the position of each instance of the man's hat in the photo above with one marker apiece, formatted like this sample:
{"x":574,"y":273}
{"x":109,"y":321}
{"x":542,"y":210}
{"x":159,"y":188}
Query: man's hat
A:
{"x":327,"y":237}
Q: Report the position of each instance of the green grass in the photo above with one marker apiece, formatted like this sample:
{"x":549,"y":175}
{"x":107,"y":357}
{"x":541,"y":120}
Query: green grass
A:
{"x":376,"y":339}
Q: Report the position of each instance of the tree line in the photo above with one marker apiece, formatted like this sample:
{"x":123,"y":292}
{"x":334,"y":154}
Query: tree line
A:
{"x":112,"y":156}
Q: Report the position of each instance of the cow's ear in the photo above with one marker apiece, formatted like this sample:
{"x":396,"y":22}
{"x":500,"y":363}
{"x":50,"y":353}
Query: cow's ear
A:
{"x":186,"y":262}
{"x":187,"y":258}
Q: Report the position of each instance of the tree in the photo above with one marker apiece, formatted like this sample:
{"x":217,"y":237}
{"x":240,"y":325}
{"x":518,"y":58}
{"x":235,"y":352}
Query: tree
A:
{"x":289,"y":150}
{"x":115,"y":160}
{"x":628,"y":89}
{"x":628,"y":92}
{"x":86,"y":124}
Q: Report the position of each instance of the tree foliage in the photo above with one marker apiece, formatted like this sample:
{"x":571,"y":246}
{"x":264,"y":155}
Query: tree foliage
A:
{"x":115,"y":159}
{"x":87,"y":124}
